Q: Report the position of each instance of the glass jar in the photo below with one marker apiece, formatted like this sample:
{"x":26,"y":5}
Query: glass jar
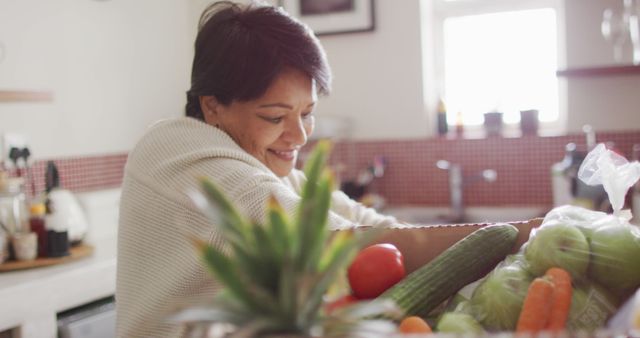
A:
{"x":13,"y":207}
{"x":14,"y":216}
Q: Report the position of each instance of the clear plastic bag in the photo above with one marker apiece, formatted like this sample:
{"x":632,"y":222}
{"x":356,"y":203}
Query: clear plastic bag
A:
{"x":614,"y":172}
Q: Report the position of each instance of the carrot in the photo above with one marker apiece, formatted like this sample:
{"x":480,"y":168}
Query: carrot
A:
{"x":535,"y":310}
{"x":561,"y":299}
{"x":414,"y":324}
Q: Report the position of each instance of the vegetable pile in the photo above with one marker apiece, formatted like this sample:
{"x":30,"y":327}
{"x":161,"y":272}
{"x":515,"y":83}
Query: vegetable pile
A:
{"x":573,"y":274}
{"x":555,"y":282}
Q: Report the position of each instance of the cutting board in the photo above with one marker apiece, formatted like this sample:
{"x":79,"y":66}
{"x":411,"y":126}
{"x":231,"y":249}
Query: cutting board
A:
{"x":76,"y":252}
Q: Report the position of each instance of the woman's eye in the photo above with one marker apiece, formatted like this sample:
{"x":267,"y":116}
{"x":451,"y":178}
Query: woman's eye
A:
{"x":272,"y":119}
{"x":307,"y":115}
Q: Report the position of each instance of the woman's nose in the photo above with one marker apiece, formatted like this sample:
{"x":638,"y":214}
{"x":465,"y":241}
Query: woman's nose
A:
{"x":296,"y":132}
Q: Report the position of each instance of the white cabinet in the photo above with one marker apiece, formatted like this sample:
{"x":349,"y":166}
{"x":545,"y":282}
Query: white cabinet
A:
{"x":31,"y":299}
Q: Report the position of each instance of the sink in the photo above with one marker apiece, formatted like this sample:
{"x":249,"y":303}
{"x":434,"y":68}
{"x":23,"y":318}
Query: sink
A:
{"x":429,"y":215}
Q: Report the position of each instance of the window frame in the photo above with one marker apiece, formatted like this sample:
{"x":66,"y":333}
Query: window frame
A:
{"x":434,"y":13}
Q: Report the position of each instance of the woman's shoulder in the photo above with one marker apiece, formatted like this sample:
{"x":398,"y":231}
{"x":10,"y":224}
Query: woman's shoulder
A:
{"x":182,"y":135}
{"x":181,"y":143}
{"x":177,"y":126}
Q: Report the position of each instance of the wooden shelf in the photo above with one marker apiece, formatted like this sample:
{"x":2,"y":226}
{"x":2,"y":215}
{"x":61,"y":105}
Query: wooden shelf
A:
{"x":7,"y":96}
{"x":600,"y":71}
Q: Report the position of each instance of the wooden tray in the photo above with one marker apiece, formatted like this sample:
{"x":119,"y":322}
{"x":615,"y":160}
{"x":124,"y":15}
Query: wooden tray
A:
{"x":76,"y":252}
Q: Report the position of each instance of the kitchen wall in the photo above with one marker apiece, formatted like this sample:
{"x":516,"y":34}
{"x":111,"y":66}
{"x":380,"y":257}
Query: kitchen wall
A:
{"x":608,"y":102}
{"x":116,"y":66}
{"x":378,"y":75}
{"x":113,"y":67}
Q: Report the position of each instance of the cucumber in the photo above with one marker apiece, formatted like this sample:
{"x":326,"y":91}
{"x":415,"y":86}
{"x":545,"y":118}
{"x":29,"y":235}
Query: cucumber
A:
{"x":464,"y":262}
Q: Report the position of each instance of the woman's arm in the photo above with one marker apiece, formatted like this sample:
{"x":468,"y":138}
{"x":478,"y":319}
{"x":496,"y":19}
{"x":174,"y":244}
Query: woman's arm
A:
{"x":344,"y":210}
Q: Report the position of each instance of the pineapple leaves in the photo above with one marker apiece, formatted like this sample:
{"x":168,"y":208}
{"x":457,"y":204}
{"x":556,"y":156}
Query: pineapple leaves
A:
{"x":317,"y":224}
{"x":281,"y":230}
{"x":222,"y":267}
{"x":313,"y":210}
{"x":277,"y":273}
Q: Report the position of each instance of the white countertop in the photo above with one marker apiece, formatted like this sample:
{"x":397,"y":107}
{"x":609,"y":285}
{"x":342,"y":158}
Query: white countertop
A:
{"x":30,"y":299}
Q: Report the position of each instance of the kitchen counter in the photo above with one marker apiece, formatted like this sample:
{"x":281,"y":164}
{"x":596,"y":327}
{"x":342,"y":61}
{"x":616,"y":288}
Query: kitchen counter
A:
{"x":30,"y":299}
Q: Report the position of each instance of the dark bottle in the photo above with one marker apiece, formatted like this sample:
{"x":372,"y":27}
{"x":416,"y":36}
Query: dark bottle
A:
{"x":57,"y":232}
{"x":57,"y":224}
{"x":443,"y":126}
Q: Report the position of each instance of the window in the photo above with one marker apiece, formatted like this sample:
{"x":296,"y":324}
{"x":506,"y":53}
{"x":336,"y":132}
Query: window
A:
{"x":497,"y":56}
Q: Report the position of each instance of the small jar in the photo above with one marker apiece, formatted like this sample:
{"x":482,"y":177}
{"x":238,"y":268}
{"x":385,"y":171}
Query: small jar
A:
{"x":57,"y":243}
{"x":25,"y":245}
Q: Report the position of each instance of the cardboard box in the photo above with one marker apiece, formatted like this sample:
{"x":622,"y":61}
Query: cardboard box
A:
{"x":419,"y":245}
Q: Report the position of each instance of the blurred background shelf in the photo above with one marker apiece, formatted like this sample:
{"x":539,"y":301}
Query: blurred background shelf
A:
{"x":8,"y":96}
{"x":599,"y":71}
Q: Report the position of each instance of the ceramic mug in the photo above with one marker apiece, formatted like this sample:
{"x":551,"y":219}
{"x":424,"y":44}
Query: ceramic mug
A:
{"x":25,"y":245}
{"x":493,"y":123}
{"x":529,"y":122}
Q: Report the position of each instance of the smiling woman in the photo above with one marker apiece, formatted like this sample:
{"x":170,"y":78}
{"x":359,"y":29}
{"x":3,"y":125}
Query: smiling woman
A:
{"x":255,"y":81}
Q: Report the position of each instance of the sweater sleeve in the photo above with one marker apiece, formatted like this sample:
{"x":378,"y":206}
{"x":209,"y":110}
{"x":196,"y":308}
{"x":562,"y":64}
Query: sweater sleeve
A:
{"x":345,"y":212}
{"x":251,"y":196}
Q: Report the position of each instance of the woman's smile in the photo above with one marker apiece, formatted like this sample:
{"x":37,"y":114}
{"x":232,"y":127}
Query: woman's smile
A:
{"x":285,"y":155}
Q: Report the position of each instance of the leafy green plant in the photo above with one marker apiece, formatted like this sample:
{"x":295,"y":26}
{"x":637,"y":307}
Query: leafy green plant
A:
{"x":276,"y":274}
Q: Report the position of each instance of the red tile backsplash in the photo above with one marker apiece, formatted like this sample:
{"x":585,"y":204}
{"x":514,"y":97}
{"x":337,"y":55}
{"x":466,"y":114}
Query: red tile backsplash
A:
{"x":523,"y":165}
{"x":78,"y":174}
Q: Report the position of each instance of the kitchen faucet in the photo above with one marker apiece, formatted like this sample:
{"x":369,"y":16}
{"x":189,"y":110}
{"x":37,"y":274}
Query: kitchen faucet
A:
{"x":457,"y":182}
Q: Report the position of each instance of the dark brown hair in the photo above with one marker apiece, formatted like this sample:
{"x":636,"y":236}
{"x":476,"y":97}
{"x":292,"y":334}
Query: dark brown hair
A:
{"x":240,"y":49}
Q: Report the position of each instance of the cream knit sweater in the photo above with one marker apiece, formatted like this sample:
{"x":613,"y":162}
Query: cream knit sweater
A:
{"x":158,"y":269}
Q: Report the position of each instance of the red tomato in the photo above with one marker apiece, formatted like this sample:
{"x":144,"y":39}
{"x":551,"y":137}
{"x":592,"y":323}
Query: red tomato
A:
{"x":340,"y":302}
{"x":375,"y":269}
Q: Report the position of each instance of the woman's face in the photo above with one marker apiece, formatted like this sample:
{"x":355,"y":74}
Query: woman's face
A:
{"x":273,"y":127}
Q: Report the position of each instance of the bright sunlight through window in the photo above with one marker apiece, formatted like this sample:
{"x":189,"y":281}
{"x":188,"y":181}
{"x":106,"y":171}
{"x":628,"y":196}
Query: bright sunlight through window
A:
{"x":501,"y":62}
